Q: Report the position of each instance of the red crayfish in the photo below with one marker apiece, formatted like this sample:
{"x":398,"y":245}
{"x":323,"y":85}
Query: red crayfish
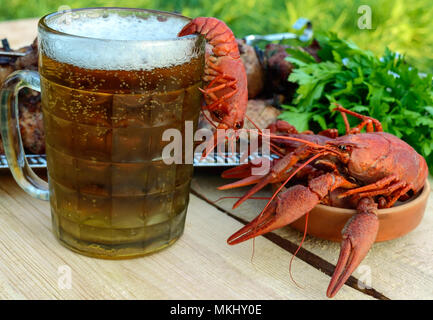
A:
{"x":226,"y":93}
{"x":366,"y":171}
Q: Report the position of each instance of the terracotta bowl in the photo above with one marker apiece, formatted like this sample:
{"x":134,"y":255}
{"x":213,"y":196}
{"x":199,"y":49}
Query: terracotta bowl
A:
{"x":326,"y":222}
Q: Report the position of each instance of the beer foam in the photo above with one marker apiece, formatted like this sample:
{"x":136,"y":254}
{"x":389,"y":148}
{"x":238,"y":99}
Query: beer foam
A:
{"x":114,"y":42}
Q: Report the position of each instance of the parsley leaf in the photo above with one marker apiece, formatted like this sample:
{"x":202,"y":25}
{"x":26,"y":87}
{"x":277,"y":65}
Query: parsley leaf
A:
{"x":385,"y":88}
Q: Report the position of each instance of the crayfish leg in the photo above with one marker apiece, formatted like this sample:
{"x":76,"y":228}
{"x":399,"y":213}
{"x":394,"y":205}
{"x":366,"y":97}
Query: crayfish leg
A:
{"x":380,"y":184}
{"x":366,"y":121}
{"x":278,"y":173}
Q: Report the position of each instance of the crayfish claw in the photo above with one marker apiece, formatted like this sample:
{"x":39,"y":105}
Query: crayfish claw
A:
{"x":341,"y":272}
{"x":287,"y":207}
{"x":359,"y":234}
{"x":261,"y":224}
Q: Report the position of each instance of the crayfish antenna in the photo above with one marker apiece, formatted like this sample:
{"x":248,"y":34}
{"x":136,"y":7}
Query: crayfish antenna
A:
{"x":297,"y":250}
{"x":261,"y":183}
{"x":256,"y":227}
{"x":278,"y":173}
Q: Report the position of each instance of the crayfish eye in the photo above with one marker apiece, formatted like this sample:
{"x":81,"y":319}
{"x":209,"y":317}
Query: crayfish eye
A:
{"x":342,"y":147}
{"x":218,"y":114}
{"x":238,"y":125}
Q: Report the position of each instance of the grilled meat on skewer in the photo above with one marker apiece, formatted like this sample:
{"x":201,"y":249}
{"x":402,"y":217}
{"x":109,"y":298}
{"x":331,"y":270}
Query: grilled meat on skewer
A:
{"x":31,"y":125}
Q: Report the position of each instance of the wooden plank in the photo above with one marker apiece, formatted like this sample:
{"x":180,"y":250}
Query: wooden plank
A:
{"x":400,"y":269}
{"x":19,"y":33}
{"x":199,"y":266}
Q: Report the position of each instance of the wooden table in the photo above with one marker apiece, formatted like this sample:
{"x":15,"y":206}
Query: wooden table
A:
{"x":200,"y":265}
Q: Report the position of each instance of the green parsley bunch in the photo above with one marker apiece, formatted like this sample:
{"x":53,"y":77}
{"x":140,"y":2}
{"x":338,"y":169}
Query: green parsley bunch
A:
{"x":385,"y":88}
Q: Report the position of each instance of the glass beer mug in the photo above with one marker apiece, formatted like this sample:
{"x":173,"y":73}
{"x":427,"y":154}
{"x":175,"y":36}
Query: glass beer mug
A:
{"x":112,"y":80}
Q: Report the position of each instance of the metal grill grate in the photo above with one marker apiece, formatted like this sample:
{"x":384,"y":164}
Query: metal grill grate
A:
{"x":213,"y":160}
{"x":34,"y":160}
{"x":226,"y":160}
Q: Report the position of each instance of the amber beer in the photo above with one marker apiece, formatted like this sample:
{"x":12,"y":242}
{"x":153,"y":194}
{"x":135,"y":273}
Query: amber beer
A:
{"x":111,"y":193}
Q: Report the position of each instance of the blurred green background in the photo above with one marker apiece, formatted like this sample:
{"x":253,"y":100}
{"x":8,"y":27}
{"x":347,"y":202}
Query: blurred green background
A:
{"x":402,"y":25}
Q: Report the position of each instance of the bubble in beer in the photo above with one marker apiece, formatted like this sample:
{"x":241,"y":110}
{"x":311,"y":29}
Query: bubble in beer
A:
{"x":114,"y":42}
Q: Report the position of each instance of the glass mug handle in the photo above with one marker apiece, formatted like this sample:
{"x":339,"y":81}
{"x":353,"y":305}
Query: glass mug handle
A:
{"x":11,"y":136}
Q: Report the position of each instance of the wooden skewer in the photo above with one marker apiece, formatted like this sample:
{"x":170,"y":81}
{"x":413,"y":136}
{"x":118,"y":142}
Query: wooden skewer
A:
{"x":12,"y":54}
